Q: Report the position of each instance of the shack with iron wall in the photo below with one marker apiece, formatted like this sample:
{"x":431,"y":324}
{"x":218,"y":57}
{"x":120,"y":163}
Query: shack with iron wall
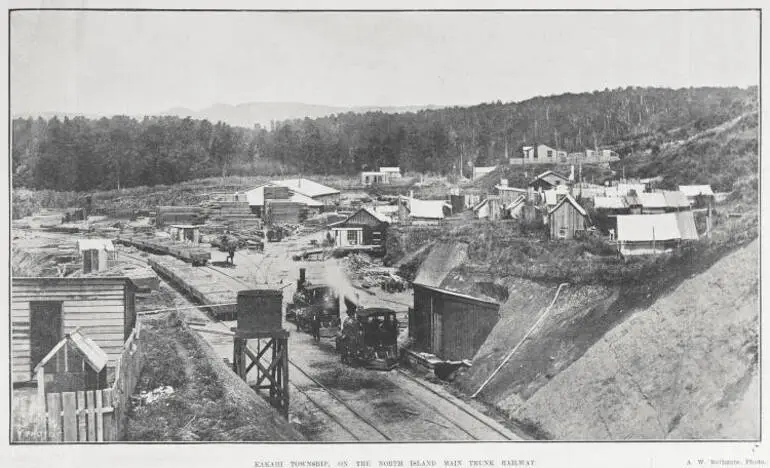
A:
{"x":451,"y":326}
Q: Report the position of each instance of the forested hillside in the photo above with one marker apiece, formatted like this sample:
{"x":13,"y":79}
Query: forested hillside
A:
{"x":83,"y":154}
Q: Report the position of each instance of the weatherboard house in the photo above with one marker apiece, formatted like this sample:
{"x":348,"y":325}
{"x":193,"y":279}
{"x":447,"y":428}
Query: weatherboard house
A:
{"x":364,"y":227}
{"x":45,"y":310}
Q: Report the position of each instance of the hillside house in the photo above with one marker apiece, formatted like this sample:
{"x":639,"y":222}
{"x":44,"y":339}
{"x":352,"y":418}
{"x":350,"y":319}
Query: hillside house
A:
{"x":479,"y":172}
{"x":548,"y":180}
{"x":373,"y":178}
{"x":391,"y":172}
{"x":566,"y":218}
{"x":96,"y":254}
{"x":699,"y":196}
{"x":44,"y":310}
{"x":542,"y":154}
{"x":452,"y":314}
{"x":647,"y":234}
{"x":364,"y":227}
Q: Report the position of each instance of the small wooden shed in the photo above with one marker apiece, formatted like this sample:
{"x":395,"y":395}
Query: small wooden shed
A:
{"x":567,"y":217}
{"x":96,"y":254}
{"x":451,"y":317}
{"x":45,"y":310}
{"x":76,"y":363}
{"x":188,"y":233}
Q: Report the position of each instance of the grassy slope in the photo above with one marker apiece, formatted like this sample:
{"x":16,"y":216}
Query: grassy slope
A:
{"x":210,"y":403}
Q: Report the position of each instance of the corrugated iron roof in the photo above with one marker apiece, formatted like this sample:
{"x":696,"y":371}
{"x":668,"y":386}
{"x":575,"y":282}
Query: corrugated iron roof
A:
{"x":646,"y":227}
{"x":256,"y":197}
{"x":695,"y":190}
{"x":568,"y":199}
{"x":652,"y":200}
{"x":307,"y":187}
{"x":431,"y":209}
{"x":676,"y":199}
{"x":686,"y":223}
{"x":610,"y":203}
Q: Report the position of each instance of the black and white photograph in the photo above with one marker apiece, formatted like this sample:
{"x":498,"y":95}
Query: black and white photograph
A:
{"x":406,"y":226}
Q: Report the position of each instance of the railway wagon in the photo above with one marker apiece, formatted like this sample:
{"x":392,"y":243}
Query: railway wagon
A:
{"x":197,"y":256}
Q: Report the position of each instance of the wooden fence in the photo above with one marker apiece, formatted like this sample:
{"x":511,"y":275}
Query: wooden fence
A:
{"x":96,"y":415}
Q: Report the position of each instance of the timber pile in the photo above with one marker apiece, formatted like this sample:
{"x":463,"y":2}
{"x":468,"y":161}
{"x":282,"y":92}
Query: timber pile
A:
{"x":232,"y":214}
{"x":369,"y":274}
{"x":283,"y":212}
{"x":199,"y":283}
{"x":179,"y":215}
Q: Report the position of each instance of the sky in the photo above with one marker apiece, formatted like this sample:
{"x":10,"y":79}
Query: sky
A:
{"x":143,"y":62}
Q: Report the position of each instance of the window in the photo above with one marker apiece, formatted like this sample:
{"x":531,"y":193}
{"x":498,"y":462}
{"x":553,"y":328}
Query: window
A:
{"x":562,"y":233}
{"x":352,"y":237}
{"x":550,"y":153}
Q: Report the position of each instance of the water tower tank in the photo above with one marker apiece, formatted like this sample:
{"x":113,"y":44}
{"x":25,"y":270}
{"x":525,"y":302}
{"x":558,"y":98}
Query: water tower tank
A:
{"x":259,"y":310}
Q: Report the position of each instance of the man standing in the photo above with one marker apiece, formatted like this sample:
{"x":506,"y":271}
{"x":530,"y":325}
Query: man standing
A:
{"x":315,"y":325}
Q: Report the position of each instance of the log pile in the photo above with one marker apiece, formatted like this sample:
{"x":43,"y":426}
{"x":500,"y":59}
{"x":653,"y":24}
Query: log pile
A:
{"x":368,"y":274}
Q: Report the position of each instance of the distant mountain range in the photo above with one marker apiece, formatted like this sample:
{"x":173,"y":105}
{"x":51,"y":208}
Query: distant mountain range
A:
{"x":251,"y":113}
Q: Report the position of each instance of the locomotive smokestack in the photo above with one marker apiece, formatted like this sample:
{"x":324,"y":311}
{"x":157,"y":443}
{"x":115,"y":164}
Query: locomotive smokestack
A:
{"x":301,"y":281}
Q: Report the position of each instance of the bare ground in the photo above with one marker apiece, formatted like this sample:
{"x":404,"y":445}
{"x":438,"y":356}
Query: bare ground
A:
{"x":683,"y":368}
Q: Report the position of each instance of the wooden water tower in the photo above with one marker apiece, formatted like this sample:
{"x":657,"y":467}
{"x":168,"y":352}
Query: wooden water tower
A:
{"x":259,"y":323}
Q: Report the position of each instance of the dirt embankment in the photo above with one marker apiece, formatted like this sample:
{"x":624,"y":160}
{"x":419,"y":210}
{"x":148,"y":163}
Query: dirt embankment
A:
{"x":683,"y":367}
{"x":209,"y":401}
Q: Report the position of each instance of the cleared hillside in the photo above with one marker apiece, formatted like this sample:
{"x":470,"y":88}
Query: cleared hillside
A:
{"x":685,"y":367}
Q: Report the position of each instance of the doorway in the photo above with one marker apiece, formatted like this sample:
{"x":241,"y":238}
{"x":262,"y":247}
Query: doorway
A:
{"x":46,"y":328}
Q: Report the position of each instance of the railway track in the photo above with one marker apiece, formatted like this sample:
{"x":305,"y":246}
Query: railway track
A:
{"x":326,"y":410}
{"x":506,"y":435}
{"x":357,"y":425}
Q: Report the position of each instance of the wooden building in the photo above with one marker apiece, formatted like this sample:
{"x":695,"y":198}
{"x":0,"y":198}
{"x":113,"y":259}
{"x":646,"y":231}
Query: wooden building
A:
{"x":187,"y":233}
{"x":449,"y":319}
{"x":548,"y":180}
{"x":96,"y":254}
{"x":567,"y":217}
{"x":44,"y":310}
{"x":76,"y":363}
{"x":364,"y":227}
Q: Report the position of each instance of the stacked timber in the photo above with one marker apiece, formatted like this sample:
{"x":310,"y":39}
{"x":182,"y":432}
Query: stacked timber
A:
{"x":284,"y":212}
{"x":179,"y":215}
{"x":232,"y":214}
{"x":277,"y":193}
{"x":205,"y":286}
